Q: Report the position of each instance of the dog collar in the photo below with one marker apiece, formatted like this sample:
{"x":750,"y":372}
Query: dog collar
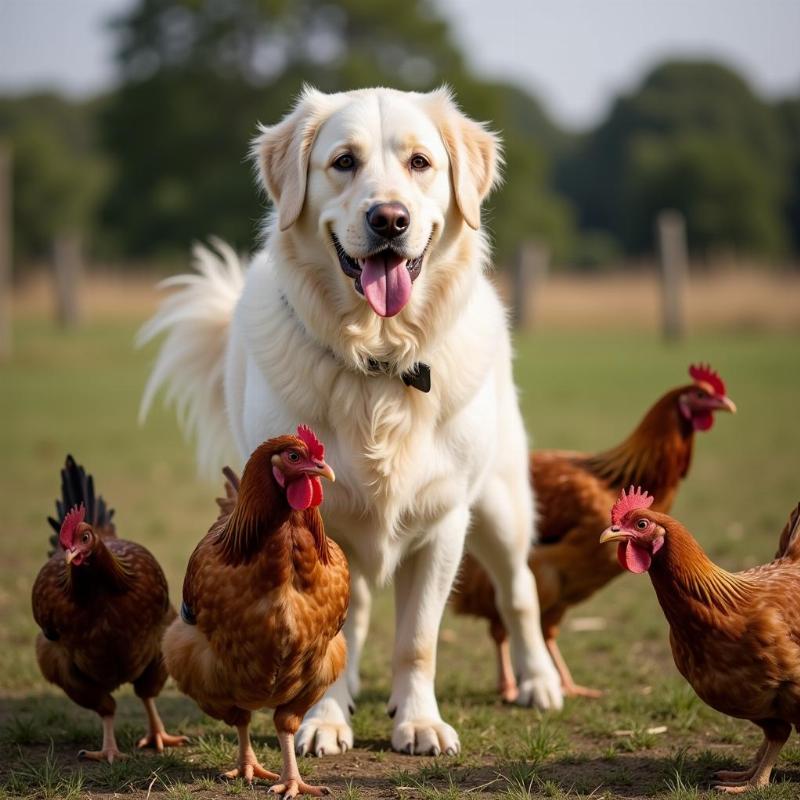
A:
{"x":418,"y":377}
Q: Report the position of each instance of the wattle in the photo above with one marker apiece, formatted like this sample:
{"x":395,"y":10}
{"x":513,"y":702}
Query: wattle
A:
{"x":304,"y":492}
{"x":703,"y":421}
{"x":633,"y":557}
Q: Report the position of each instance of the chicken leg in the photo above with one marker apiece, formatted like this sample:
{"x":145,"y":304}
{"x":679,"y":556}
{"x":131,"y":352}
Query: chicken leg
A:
{"x":158,"y":737}
{"x":506,"y":682}
{"x":249,"y":767}
{"x":109,"y":750}
{"x":291,"y":783}
{"x":775,"y":735}
{"x":738,"y":776}
{"x":568,"y":685}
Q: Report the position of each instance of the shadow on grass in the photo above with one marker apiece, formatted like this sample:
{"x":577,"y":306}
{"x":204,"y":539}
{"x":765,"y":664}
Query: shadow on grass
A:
{"x":40,"y":735}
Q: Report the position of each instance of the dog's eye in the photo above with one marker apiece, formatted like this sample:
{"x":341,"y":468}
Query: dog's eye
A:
{"x":419,"y":162}
{"x":344,"y":163}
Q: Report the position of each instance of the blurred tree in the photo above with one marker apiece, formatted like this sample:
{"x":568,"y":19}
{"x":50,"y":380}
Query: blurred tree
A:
{"x":525,"y":206}
{"x":58,"y":174}
{"x":725,"y":194}
{"x":692,"y":136}
{"x":788,"y":112}
{"x":198,"y":74}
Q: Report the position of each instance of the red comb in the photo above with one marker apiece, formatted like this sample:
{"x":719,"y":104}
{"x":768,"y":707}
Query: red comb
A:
{"x":70,"y":524}
{"x":702,"y":373}
{"x":315,"y":447}
{"x":635,"y":499}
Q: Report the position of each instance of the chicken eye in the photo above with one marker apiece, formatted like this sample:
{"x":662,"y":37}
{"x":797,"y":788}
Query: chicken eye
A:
{"x":418,"y":162}
{"x":85,"y":537}
{"x":641,"y":524}
{"x":344,"y":163}
{"x":293,"y":456}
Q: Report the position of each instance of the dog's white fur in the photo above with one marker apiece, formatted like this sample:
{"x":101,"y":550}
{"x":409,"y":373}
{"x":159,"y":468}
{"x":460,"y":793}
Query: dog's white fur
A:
{"x":291,"y":342}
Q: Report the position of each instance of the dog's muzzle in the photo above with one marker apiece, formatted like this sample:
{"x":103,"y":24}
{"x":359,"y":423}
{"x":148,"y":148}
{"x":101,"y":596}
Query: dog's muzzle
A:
{"x":378,"y":276}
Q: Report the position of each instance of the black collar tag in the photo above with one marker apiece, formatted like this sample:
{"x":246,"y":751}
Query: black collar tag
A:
{"x":419,"y":376}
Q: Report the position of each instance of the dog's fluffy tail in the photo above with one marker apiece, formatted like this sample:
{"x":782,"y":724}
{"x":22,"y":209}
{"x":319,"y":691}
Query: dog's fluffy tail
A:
{"x":191,"y":362}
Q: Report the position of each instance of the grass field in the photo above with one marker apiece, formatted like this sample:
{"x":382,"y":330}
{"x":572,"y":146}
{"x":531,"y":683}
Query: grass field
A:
{"x":78,"y":392}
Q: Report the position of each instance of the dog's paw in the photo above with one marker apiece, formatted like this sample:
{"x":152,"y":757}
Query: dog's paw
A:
{"x":542,"y":691}
{"x":425,"y":737}
{"x":325,"y":731}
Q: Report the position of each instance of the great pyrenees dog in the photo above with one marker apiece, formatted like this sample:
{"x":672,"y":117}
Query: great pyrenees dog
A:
{"x":368,"y":316}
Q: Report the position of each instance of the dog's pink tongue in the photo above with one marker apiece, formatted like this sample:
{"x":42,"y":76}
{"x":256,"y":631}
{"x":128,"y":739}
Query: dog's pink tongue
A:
{"x":386,"y":283}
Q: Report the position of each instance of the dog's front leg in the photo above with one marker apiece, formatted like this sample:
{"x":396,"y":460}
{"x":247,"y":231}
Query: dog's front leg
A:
{"x":326,"y":728}
{"x":356,"y":626}
{"x":422,"y":585}
{"x":499,"y":539}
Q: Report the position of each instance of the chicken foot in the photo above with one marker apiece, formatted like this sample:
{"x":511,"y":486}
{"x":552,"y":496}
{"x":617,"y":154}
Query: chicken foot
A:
{"x":739,"y":776}
{"x":158,"y":736}
{"x":769,"y":751}
{"x":568,"y":685}
{"x":249,"y":767}
{"x":291,"y":783}
{"x":109,"y":750}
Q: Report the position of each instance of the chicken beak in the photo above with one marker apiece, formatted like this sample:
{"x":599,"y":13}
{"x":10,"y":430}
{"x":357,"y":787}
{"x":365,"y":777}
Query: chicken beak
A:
{"x":324,"y":471}
{"x":71,"y":555}
{"x":726,"y":404}
{"x":613,"y":534}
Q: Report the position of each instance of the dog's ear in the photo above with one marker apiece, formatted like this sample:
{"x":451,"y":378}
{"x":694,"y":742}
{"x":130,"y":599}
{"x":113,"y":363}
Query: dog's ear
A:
{"x":282,"y":151}
{"x":475,"y":155}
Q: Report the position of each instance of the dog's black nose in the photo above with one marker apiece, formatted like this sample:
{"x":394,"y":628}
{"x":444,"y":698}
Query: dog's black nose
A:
{"x":388,"y":219}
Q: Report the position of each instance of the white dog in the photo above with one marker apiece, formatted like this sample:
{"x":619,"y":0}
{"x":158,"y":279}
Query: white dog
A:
{"x":367,"y":316}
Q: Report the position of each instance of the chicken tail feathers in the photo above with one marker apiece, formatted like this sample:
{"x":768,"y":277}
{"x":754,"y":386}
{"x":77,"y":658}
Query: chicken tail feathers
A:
{"x":789,"y":546}
{"x":77,"y":487}
{"x":228,"y":503}
{"x":190,"y":366}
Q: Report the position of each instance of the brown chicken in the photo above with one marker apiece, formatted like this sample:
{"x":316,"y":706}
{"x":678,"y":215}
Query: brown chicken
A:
{"x":264,"y":600}
{"x":573,"y":494}
{"x":102,"y":605}
{"x":735,"y":636}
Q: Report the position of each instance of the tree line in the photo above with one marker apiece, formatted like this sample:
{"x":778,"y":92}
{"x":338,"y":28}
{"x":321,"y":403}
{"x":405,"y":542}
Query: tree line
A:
{"x":162,"y":159}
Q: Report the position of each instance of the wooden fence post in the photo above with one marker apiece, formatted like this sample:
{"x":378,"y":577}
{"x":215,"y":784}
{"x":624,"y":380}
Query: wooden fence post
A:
{"x":529,"y":272}
{"x":673,"y":256}
{"x":5,"y":251}
{"x":68,"y":274}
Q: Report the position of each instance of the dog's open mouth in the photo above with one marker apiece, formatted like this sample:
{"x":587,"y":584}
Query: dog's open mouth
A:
{"x":384,"y":277}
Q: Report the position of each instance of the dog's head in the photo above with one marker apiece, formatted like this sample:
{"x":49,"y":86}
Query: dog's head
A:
{"x":367,"y":185}
{"x":377,"y":210}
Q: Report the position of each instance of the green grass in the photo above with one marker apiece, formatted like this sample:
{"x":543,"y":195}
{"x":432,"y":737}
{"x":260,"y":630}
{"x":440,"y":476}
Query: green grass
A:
{"x":79,"y":391}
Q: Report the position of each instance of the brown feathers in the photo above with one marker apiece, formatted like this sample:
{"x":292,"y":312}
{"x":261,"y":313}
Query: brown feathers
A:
{"x":734,"y":636}
{"x":657,"y":455}
{"x":267,"y":594}
{"x":789,"y":544}
{"x":693,"y":577}
{"x":313,"y":520}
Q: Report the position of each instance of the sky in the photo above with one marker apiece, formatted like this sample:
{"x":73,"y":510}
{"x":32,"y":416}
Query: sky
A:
{"x":574,"y":55}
